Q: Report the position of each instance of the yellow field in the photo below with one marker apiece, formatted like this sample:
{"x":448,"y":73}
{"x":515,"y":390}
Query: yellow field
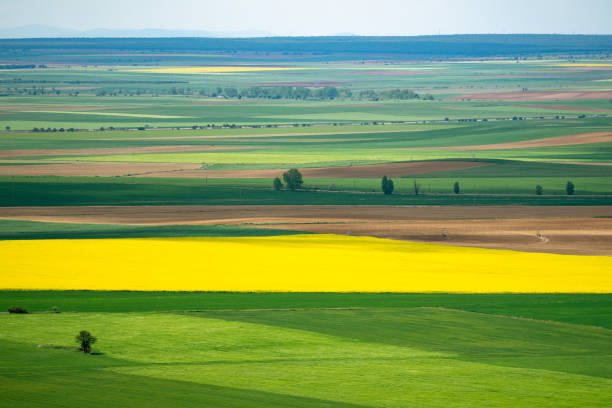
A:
{"x":582,"y":65}
{"x":213,"y":70}
{"x":326,"y":263}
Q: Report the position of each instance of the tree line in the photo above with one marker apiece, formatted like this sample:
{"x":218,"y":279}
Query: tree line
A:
{"x":293,"y":180}
{"x":276,"y":92}
{"x":253,"y":92}
{"x":303,"y":93}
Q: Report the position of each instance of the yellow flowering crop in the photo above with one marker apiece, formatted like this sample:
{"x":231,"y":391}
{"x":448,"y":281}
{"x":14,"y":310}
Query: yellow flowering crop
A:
{"x":213,"y":70}
{"x":326,"y":263}
{"x":579,"y":64}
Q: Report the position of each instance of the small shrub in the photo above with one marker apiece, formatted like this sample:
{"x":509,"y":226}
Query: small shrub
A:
{"x":387,"y":185}
{"x":539,"y":190}
{"x":55,"y":309}
{"x":569,"y":188}
{"x":277,"y":184}
{"x":55,"y":346}
{"x":456,"y":189}
{"x":17,"y":309}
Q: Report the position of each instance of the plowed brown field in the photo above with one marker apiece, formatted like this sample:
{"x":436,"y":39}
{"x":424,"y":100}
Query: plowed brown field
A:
{"x":567,"y":140}
{"x":372,"y":170}
{"x":101,"y":169}
{"x":564,"y":230}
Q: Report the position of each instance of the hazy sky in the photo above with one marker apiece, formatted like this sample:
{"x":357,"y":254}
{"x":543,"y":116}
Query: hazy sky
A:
{"x":319,"y":17}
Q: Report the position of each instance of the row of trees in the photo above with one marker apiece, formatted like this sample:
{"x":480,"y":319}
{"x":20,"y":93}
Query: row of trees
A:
{"x":36,"y":90}
{"x":301,"y":93}
{"x":569,"y":189}
{"x":388,"y":187}
{"x":254,"y":92}
{"x":328,"y":92}
{"x":35,"y":129}
{"x":21,"y":66}
{"x":293,"y":180}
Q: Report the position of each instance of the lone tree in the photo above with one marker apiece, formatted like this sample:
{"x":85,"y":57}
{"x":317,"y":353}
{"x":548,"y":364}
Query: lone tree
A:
{"x":387,"y":185}
{"x":456,"y":187}
{"x":539,"y":190}
{"x":85,"y":339}
{"x":293,"y":179}
{"x":569,"y":188}
{"x":17,"y":309}
{"x":277,"y":184}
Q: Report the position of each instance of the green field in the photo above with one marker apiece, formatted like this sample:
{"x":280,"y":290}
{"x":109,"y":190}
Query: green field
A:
{"x":112,"y":191}
{"x":398,"y":351}
{"x":10,"y":230}
{"x":119,"y":96}
{"x":510,"y":171}
{"x":202,"y":110}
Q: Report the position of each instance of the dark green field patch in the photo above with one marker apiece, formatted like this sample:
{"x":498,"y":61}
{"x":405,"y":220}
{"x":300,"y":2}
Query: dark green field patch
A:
{"x":474,"y":337}
{"x":10,"y":230}
{"x":586,"y":309}
{"x":55,"y":191}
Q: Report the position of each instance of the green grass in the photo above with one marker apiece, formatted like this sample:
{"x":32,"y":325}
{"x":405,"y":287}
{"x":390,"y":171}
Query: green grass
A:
{"x":11,"y":230}
{"x":334,"y":146}
{"x":83,"y":381}
{"x":393,"y":357}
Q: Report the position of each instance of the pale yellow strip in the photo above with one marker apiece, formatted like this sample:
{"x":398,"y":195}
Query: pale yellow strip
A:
{"x":326,"y":263}
{"x":209,"y":70}
{"x":582,"y":65}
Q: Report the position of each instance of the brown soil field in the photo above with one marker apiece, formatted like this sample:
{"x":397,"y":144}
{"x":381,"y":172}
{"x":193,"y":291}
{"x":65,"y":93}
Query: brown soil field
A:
{"x":116,"y":150}
{"x":371,"y":170}
{"x":563,"y":230}
{"x":567,"y":140}
{"x":537,"y":96}
{"x":102,"y":169}
{"x":567,"y":107}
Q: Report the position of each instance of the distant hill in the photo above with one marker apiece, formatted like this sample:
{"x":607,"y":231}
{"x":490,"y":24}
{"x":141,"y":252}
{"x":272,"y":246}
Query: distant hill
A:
{"x":437,"y":46}
{"x":43,"y":31}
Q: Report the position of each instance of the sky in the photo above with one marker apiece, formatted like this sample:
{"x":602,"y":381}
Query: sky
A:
{"x":319,"y":17}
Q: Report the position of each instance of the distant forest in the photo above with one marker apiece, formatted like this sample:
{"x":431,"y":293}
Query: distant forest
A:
{"x":489,"y":45}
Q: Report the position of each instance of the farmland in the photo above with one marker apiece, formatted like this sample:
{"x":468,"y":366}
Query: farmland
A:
{"x":137,"y":202}
{"x":143,"y":264}
{"x":269,"y":351}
